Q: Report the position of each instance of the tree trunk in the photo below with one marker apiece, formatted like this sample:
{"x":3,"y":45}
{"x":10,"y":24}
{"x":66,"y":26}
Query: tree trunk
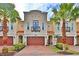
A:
{"x":5,"y":30}
{"x":63,"y":34}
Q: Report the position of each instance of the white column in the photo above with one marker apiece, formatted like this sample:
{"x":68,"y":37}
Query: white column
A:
{"x":46,"y":39}
{"x":15,"y":39}
{"x":75,"y":40}
{"x":52,"y":40}
{"x":25,"y":40}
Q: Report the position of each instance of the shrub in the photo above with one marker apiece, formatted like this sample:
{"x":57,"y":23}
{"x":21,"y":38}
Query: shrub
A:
{"x":4,"y":50}
{"x":19,"y":46}
{"x":16,"y":46}
{"x":59,"y":46}
{"x":66,"y":47}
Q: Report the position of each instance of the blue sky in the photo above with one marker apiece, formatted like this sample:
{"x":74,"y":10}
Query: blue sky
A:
{"x":45,"y":7}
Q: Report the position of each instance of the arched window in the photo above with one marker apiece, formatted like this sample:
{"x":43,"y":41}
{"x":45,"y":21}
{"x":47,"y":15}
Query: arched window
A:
{"x":36,"y":25}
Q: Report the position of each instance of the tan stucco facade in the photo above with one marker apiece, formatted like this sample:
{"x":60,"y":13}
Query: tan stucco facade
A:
{"x":20,"y":27}
{"x":29,"y":17}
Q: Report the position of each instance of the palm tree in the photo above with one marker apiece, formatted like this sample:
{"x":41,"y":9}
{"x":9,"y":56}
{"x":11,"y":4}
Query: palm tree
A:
{"x":7,"y":13}
{"x":66,"y":11}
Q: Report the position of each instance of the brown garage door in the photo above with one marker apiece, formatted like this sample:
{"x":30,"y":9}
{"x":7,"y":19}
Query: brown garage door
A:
{"x":69,"y":40}
{"x":9,"y":41}
{"x":78,"y":40}
{"x":35,"y":41}
{"x":0,"y":40}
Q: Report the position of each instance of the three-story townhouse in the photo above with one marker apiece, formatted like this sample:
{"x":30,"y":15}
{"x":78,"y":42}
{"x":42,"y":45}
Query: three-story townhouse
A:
{"x":35,"y":27}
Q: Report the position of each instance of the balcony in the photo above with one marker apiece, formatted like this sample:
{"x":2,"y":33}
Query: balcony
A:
{"x":68,"y":29}
{"x":35,"y":29}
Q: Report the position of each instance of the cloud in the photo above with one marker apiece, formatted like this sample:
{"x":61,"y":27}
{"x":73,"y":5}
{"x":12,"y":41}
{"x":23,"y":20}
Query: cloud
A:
{"x":20,"y":8}
{"x":45,"y":7}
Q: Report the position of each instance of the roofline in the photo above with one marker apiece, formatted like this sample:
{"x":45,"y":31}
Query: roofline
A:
{"x":34,"y":10}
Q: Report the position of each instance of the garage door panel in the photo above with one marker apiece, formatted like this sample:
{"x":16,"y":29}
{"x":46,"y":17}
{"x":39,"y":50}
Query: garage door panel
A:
{"x":1,"y":40}
{"x":77,"y":39}
{"x":35,"y":41}
{"x":69,"y":40}
{"x":9,"y":41}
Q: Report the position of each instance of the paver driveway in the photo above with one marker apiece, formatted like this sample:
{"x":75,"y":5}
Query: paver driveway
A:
{"x":36,"y":51}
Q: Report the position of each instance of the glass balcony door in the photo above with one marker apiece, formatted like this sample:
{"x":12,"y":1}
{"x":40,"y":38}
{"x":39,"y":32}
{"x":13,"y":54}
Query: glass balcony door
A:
{"x":35,"y":25}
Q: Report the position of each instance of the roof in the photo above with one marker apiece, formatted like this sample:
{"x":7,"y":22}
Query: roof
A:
{"x":35,"y":11}
{"x":20,"y":31}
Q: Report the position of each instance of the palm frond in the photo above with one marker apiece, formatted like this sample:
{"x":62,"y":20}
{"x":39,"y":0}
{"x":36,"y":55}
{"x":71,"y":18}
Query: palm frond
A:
{"x":8,"y":10}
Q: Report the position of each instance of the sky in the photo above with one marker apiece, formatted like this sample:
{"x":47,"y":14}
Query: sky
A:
{"x":44,"y":7}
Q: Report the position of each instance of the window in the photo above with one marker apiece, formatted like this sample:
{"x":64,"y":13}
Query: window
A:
{"x":27,"y":26}
{"x":72,"y":27}
{"x":11,"y":26}
{"x":36,"y":26}
{"x":0,"y":28}
{"x":67,"y":29}
{"x":67,"y":26}
{"x":58,"y":26}
{"x":42,"y":26}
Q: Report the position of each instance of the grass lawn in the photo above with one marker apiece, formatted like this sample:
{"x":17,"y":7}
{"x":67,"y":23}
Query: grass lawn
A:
{"x":53,"y":48}
{"x":73,"y":52}
{"x":67,"y":52}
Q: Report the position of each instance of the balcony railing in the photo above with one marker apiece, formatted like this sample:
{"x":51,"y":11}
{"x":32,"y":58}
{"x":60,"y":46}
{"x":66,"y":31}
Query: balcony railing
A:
{"x":35,"y":29}
{"x":68,"y":29}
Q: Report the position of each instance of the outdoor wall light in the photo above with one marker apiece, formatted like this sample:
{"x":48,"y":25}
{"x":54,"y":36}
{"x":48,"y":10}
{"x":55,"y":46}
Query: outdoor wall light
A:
{"x":13,"y":36}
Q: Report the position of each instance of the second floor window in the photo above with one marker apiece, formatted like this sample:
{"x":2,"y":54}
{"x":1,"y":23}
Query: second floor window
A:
{"x":27,"y":26}
{"x":72,"y":26}
{"x":67,"y":26}
{"x":36,"y":25}
{"x":0,"y":28}
{"x":58,"y":26}
{"x":42,"y":26}
{"x":67,"y":29}
{"x":11,"y":26}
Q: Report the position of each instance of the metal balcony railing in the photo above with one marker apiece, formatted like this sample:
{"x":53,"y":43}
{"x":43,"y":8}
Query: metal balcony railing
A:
{"x":35,"y":29}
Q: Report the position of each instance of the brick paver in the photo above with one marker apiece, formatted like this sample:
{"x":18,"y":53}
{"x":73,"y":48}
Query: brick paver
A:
{"x":36,"y":51}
